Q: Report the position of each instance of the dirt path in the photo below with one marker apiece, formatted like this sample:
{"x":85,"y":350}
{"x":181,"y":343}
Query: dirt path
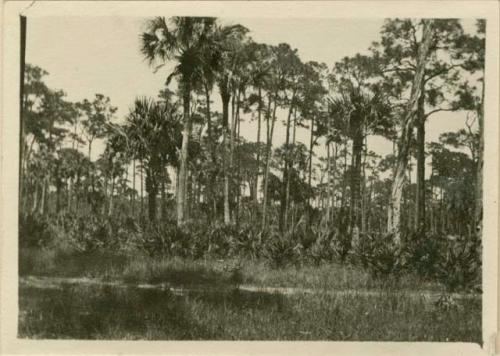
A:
{"x":58,"y":282}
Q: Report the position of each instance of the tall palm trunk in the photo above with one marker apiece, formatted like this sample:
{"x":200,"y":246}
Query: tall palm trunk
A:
{"x":357,"y":149}
{"x":409,"y":115}
{"x":478,"y":204}
{"x":152,"y":190}
{"x":213,"y":172}
{"x":225,"y":96}
{"x":363,"y":186}
{"x":284,"y":202}
{"x":238,"y":165}
{"x":181,"y":196}
{"x":333,"y":183}
{"x":259,"y":124}
{"x":270,"y":131}
{"x":311,"y":143}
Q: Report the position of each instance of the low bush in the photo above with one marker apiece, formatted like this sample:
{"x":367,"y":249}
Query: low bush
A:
{"x":35,"y":230}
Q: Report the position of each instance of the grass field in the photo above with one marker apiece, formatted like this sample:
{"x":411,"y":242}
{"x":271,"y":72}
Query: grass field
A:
{"x":217,"y":310}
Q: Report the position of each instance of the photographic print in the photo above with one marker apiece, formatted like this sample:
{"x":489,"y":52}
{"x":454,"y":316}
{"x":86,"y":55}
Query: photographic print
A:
{"x":251,"y":178}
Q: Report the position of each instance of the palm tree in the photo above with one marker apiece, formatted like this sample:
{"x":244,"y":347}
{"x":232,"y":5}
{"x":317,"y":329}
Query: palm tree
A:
{"x":359,"y":111}
{"x":227,"y":42}
{"x":153,"y":130}
{"x":183,"y":40}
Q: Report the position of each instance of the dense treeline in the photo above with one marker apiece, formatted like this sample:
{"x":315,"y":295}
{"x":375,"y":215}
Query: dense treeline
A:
{"x":175,"y":160}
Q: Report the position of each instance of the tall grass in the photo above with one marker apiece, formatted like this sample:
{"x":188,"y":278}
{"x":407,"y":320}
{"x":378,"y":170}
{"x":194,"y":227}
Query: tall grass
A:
{"x":111,"y":313}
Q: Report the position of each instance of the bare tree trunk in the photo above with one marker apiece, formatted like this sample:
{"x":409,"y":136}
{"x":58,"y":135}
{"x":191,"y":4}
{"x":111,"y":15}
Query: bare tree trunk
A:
{"x":268,"y":160}
{"x":409,"y":115}
{"x":68,"y":194}
{"x":41,"y":207}
{"x":181,"y":196}
{"x":420,"y":194}
{"x":478,"y":206}
{"x":284,"y":202}
{"x":363,"y":186}
{"x":357,"y":149}
{"x":328,"y":177}
{"x":291,"y":167}
{"x":35,"y":199}
{"x":133,"y":187}
{"x":238,"y":166}
{"x":259,"y":124}
{"x":22,"y":69}
{"x":311,"y":143}
{"x":164,"y":193}
{"x":333,"y":183}
{"x":111,"y":195}
{"x":142,"y":188}
{"x":213,"y":172}
{"x":225,"y":96}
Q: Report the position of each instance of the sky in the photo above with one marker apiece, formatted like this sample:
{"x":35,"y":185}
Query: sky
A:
{"x":89,"y":55}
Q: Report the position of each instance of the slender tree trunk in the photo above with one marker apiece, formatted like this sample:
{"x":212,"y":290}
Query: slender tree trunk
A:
{"x":225,"y":96}
{"x":333,"y":185}
{"x":22,"y":184}
{"x":357,"y":149}
{"x":478,"y":206}
{"x":328,"y":178}
{"x":151,"y":189}
{"x":259,"y":124}
{"x":68,"y":195}
{"x":181,"y":196}
{"x":344,"y":186}
{"x":408,"y":197}
{"x":363,"y":186}
{"x":420,"y":194}
{"x":133,"y":187}
{"x":41,"y":207}
{"x":284,"y":202}
{"x":238,"y":166}
{"x":291,"y":167}
{"x":35,"y":199}
{"x":431,"y":205}
{"x":232,"y":134}
{"x":268,"y":161}
{"x":394,"y":221}
{"x":164,"y":194}
{"x":213,"y":172}
{"x":111,"y":195}
{"x":311,"y":144}
{"x":142,"y":188}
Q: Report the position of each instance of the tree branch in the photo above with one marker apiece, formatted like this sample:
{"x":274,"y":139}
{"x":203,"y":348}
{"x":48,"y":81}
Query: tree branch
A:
{"x":438,"y":110}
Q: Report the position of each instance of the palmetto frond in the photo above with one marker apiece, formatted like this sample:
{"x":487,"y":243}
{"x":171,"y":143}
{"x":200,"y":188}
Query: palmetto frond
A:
{"x":158,"y":42}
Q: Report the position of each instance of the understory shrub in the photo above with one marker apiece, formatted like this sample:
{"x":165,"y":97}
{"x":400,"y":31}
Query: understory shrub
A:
{"x":34,"y":230}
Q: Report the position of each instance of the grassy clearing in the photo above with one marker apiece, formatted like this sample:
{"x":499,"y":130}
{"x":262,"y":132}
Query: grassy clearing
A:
{"x":219,"y":311}
{"x":110,"y":313}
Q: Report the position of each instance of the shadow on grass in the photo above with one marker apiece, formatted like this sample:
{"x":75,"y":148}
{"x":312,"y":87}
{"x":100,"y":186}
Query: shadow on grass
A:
{"x":75,"y":312}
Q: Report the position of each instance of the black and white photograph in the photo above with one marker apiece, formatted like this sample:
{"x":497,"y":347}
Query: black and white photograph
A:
{"x":247,"y":178}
